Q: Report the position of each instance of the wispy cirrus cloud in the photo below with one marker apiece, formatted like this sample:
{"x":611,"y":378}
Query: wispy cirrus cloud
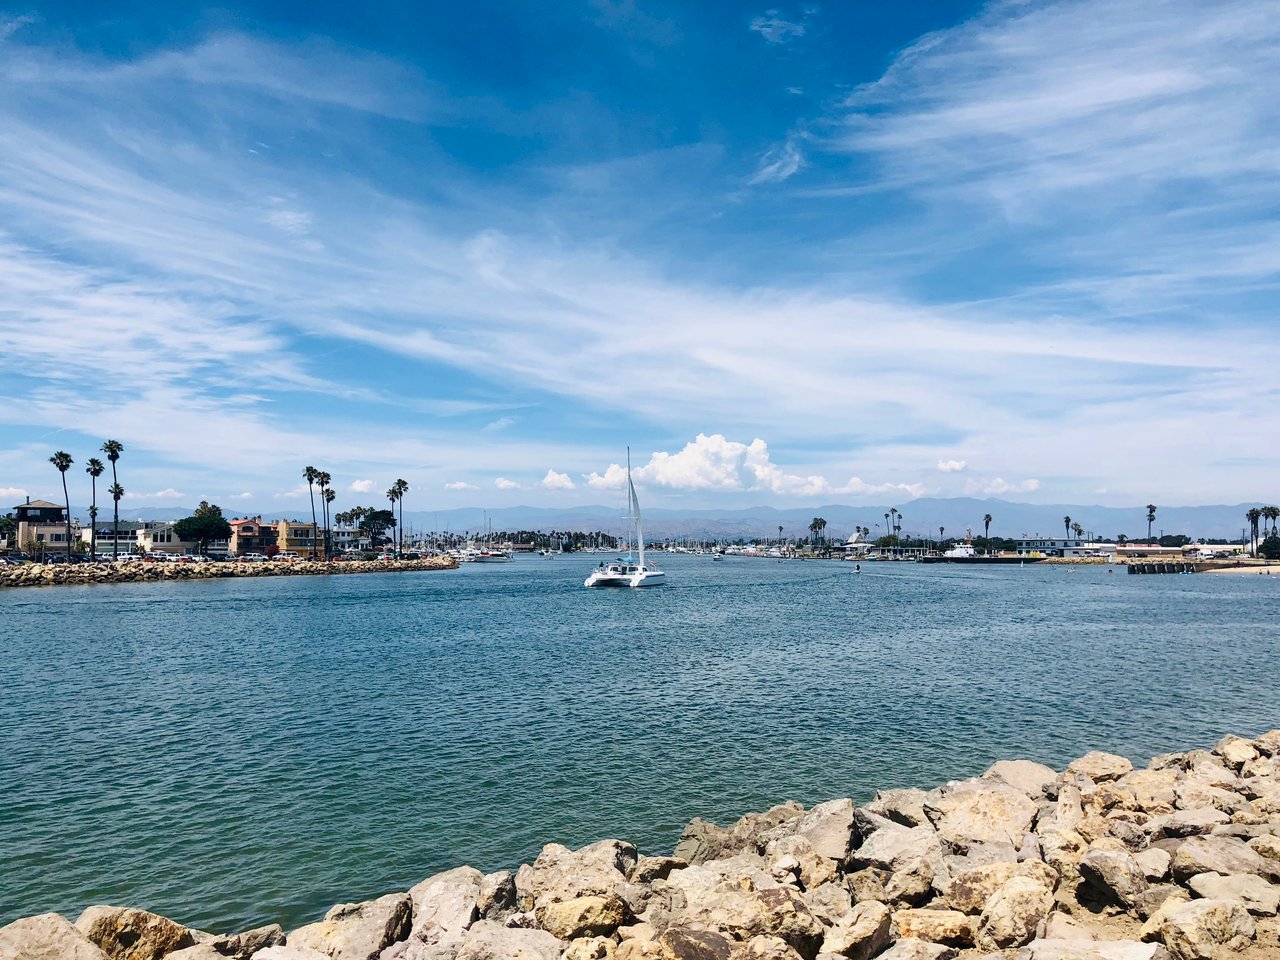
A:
{"x":777,"y":29}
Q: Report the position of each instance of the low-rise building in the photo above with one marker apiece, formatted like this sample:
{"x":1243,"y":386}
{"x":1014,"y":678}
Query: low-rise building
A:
{"x":1064,"y":547}
{"x":299,"y":538}
{"x":42,"y":526}
{"x":252,"y":535}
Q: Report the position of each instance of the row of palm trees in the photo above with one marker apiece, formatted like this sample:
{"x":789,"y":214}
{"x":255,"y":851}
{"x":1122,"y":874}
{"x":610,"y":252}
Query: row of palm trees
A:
{"x":1257,"y":517}
{"x":395,"y":493}
{"x":94,"y":468}
{"x":323,"y":480}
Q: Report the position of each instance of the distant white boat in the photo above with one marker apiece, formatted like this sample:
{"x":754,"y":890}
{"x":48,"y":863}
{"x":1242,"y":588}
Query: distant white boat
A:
{"x":623,"y":572}
{"x":961,"y":551}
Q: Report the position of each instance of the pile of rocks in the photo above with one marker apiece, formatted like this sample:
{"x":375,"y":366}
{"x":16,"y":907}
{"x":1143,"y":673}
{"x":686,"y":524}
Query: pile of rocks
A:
{"x":139,"y":571}
{"x":1179,"y":860}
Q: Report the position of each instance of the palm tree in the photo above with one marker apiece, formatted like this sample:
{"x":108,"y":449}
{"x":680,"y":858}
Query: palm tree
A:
{"x":1077,"y":530}
{"x":1066,"y":522}
{"x":393,"y":494}
{"x":779,"y":533}
{"x":94,"y":469}
{"x":888,"y":527}
{"x":323,"y":480}
{"x":309,"y":474}
{"x":1272,"y":514}
{"x":328,"y":495}
{"x":1151,"y":519}
{"x":117,"y":492}
{"x":1253,"y":515}
{"x":401,"y":487}
{"x":813,"y":530}
{"x":62,"y":460}
{"x":113,"y":449}
{"x":941,"y":534}
{"x":986,"y":526}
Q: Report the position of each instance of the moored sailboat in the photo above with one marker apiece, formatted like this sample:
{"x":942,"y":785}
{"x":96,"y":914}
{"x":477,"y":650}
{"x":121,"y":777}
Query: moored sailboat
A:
{"x":625,"y":571}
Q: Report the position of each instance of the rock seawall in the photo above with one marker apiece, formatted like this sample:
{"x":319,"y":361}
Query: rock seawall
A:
{"x":1176,"y":861}
{"x":138,"y":571}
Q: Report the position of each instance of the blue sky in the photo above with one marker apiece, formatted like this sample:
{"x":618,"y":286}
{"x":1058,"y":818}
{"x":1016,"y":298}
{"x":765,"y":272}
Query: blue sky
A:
{"x":789,"y":254}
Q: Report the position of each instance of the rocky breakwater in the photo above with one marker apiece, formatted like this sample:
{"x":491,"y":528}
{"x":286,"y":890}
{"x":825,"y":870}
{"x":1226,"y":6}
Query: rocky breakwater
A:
{"x":139,"y":571}
{"x":1100,"y":861}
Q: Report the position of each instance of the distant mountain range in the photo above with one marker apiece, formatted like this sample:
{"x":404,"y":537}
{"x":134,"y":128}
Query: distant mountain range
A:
{"x":919,"y":517}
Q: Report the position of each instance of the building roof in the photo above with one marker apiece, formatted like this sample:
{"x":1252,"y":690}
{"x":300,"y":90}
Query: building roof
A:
{"x":40,"y":505}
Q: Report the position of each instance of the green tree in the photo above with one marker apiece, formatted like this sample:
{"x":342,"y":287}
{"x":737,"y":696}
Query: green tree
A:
{"x":94,"y":469}
{"x":375,"y":523}
{"x":1066,"y":522}
{"x":1254,"y":516}
{"x":309,"y":474}
{"x":1151,"y":519}
{"x":113,"y":449}
{"x":203,"y":528}
{"x":8,"y":529}
{"x":1270,"y":548}
{"x":62,"y":460}
{"x":207,"y":509}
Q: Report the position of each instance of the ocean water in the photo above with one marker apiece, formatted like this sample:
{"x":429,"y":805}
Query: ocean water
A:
{"x":229,"y":753}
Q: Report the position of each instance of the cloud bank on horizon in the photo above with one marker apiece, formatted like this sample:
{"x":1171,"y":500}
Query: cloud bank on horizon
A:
{"x":1022,"y":248}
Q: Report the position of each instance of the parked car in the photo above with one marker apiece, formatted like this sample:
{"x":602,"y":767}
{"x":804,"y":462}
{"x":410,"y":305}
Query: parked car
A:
{"x":253,"y":557}
{"x":287,"y":555}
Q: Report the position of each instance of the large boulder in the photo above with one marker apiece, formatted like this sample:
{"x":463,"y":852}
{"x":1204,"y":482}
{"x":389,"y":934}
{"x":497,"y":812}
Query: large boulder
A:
{"x":487,"y":940}
{"x":1091,"y":950}
{"x":445,"y":905}
{"x":49,"y":936}
{"x":1113,"y":875}
{"x":913,"y":949}
{"x":1100,"y":767}
{"x":950,"y":927}
{"x":702,"y":840}
{"x":1012,"y":914}
{"x":828,"y":827}
{"x":904,"y":807}
{"x":742,"y":908}
{"x":1260,"y":898}
{"x":123,"y":933}
{"x":974,"y":812}
{"x":1186,"y":823}
{"x":1153,"y":790}
{"x":358,"y":931}
{"x":496,"y":897}
{"x":589,"y":916}
{"x":1225,"y":855}
{"x":861,"y":935}
{"x":286,"y":952}
{"x":969,"y":890}
{"x":683,"y":944}
{"x":1025,"y":775}
{"x":559,"y":874}
{"x":1206,"y":930}
{"x":892,"y":847}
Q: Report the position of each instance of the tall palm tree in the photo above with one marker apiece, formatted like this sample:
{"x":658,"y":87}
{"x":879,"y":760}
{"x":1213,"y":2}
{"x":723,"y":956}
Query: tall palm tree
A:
{"x":117,"y":492}
{"x":1066,"y":522}
{"x":813,"y":530}
{"x":323,"y":481}
{"x":328,"y":495}
{"x":1078,"y":530}
{"x":986,"y":526}
{"x":1273,"y":514}
{"x":393,"y":494}
{"x":1151,"y":519}
{"x":401,"y":487}
{"x":888,"y":527}
{"x":309,"y":474}
{"x":62,"y":460}
{"x":941,"y":535}
{"x":94,"y":469}
{"x":113,"y":449}
{"x":779,"y":533}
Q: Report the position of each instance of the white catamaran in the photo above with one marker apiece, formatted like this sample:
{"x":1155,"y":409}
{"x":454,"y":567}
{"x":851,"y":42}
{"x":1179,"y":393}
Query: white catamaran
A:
{"x":625,"y":571}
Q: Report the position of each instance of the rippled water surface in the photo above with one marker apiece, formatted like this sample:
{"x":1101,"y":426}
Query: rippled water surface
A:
{"x":234,"y":752}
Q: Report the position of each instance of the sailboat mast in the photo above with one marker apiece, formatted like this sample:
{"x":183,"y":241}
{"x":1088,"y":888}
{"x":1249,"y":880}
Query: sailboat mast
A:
{"x":635,"y":509}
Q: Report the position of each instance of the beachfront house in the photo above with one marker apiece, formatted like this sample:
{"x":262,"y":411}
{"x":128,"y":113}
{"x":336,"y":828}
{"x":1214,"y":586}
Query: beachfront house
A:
{"x":42,"y":526}
{"x":252,"y":535}
{"x":299,"y":538}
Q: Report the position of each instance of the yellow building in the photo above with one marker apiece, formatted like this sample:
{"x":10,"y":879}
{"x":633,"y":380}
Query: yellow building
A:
{"x":299,"y":538}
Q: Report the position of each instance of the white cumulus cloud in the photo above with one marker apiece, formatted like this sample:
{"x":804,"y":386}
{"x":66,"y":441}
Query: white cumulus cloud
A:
{"x":15,"y":494}
{"x":460,"y":485}
{"x":1000,"y":485}
{"x":361,"y":486}
{"x":717,"y":463}
{"x":242,"y":496}
{"x":502,"y":483}
{"x":557,"y":481}
{"x":500,"y":424}
{"x":951,"y":466}
{"x":166,"y":494}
